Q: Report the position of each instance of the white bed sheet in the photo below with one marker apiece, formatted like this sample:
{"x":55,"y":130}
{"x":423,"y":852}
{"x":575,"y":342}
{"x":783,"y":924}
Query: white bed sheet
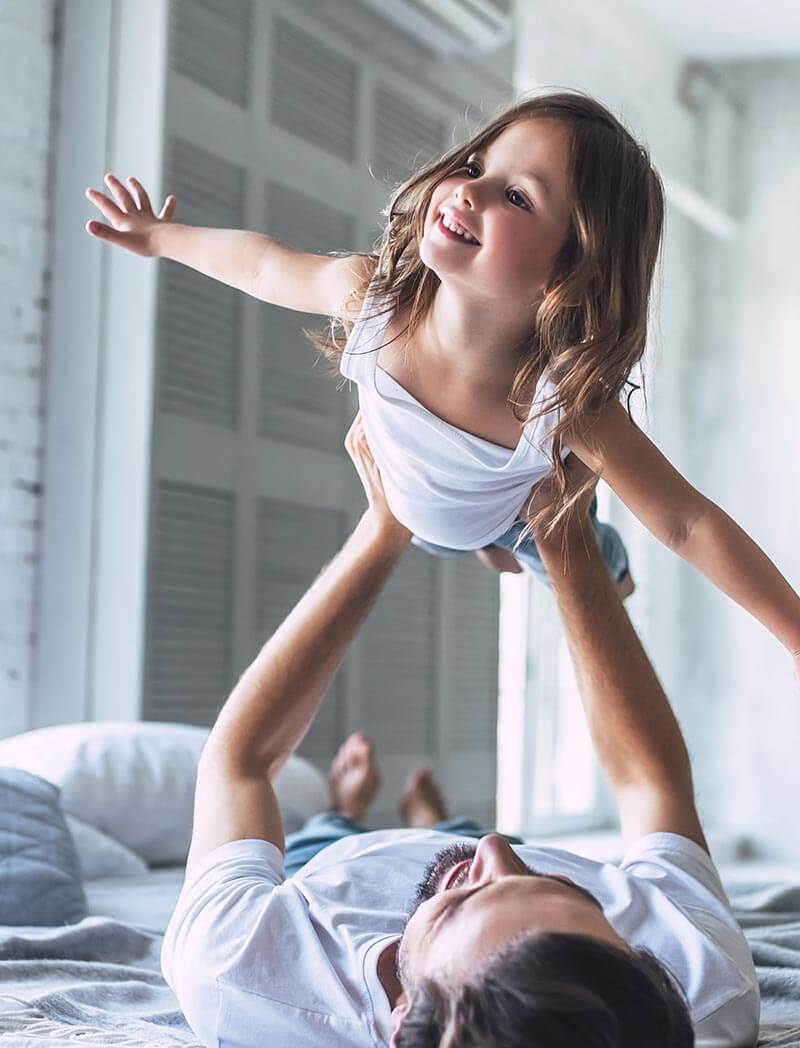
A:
{"x":144,"y":900}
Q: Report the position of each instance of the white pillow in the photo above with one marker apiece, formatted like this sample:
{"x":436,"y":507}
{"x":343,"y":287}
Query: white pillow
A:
{"x":134,"y":780}
{"x":100,"y":855}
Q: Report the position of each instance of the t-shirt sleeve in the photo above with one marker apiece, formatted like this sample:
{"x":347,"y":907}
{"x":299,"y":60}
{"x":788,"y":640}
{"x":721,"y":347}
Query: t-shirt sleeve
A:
{"x":211,"y":920}
{"x":687,"y":876}
{"x":658,"y":857}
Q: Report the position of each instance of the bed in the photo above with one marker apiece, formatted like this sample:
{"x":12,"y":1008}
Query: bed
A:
{"x":97,"y":980}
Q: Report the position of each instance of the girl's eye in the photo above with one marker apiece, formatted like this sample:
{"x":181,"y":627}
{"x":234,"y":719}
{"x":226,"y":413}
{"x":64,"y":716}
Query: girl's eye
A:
{"x":512,"y":192}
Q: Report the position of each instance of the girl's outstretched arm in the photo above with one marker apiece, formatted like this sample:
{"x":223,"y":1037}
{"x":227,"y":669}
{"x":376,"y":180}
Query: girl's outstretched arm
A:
{"x":258,"y":264}
{"x":689,"y":523}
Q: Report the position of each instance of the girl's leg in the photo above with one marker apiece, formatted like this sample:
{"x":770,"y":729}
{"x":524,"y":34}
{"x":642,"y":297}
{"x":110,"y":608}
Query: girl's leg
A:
{"x":611,"y":545}
{"x":437,"y":551}
{"x":493,"y":557}
{"x":498,"y":559}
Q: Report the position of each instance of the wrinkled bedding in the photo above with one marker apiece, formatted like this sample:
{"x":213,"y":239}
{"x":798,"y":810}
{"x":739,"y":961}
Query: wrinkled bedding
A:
{"x":98,"y":982}
{"x":770,"y":916}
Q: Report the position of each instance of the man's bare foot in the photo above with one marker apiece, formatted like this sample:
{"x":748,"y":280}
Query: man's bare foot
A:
{"x":422,"y":803}
{"x":625,"y":586}
{"x":354,"y":778}
{"x":498,"y":559}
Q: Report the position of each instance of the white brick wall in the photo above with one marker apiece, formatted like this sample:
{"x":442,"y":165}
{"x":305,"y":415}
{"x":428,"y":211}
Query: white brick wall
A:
{"x":26,"y":58}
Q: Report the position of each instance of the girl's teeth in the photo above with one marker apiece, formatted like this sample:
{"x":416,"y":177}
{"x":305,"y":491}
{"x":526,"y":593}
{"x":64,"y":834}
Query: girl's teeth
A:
{"x":458,"y":229}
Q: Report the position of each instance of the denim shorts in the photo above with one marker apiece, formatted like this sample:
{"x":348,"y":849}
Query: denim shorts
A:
{"x":330,"y":826}
{"x":611,"y":545}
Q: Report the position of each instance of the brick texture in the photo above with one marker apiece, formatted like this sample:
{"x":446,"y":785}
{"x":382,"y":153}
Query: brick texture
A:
{"x":27,"y":51}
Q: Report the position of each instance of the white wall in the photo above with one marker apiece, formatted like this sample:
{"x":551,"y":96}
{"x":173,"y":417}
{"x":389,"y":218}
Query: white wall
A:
{"x":745,"y":430}
{"x":26,"y":58}
{"x":609,"y":51}
{"x":724,"y":376}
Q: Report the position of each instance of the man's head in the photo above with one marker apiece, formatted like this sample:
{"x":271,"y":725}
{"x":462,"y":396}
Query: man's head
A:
{"x":495,"y":952}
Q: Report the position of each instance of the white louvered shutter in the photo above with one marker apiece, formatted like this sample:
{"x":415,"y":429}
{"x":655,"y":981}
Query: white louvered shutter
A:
{"x":274,"y":122}
{"x":292,"y":544}
{"x":188,"y":663}
{"x":404,"y":134}
{"x":200,"y":320}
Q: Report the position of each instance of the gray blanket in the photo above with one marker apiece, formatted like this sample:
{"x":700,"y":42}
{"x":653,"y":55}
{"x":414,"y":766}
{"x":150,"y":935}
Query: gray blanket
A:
{"x":770,"y":917}
{"x":98,"y":982}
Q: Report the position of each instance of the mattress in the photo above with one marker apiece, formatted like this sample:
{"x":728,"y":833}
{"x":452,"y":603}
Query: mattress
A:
{"x":144,"y":901}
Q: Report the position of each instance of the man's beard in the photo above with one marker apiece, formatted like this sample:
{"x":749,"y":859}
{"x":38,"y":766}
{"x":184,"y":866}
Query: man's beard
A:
{"x":442,"y":861}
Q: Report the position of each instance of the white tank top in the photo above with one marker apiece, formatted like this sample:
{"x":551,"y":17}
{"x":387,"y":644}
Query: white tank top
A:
{"x":447,"y":486}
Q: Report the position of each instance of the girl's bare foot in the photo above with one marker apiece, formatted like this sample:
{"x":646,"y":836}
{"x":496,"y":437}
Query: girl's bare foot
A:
{"x":498,"y":559}
{"x":354,"y":778}
{"x":625,"y":586}
{"x":422,"y":803}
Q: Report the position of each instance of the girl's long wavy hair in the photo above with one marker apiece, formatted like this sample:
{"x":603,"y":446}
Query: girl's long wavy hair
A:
{"x":590,"y":328}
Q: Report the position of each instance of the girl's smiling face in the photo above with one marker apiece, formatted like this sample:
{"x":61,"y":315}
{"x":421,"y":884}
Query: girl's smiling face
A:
{"x":513,"y":197}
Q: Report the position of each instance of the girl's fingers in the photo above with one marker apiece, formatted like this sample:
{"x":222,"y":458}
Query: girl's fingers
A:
{"x":168,"y":210}
{"x":121,"y":194}
{"x":104,"y":232}
{"x":140,"y":193}
{"x":108,"y":207}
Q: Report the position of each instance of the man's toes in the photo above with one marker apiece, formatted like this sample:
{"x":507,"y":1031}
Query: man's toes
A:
{"x":362,"y":744}
{"x":357,"y":745}
{"x":416,"y":779}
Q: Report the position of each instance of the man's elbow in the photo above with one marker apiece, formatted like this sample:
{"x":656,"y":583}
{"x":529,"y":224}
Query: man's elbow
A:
{"x":236,"y":758}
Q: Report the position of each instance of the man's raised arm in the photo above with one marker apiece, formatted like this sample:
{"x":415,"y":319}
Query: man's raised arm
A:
{"x":275,"y":701}
{"x":635,"y":734}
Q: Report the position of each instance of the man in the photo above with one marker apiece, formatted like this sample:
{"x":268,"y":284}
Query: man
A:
{"x":422,"y":937}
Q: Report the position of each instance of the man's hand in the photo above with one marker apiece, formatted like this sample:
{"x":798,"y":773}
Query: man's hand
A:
{"x":276,"y":699}
{"x":133,"y":224}
{"x":635,"y":735}
{"x":543,"y":494}
{"x":358,"y":449}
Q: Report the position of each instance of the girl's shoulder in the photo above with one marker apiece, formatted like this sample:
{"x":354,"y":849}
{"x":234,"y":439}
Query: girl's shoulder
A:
{"x":363,"y":268}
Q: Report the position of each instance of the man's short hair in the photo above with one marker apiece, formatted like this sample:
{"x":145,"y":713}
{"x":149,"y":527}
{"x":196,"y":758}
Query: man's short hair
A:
{"x":553,"y":990}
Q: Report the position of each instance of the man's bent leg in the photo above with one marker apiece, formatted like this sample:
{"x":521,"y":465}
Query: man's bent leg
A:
{"x":317,"y":833}
{"x":423,"y":806}
{"x":354,"y":779}
{"x":469,"y":828}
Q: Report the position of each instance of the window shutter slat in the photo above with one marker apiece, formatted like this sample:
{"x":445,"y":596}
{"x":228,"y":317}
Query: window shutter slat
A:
{"x":292,"y":542}
{"x":210,"y":43}
{"x":190,"y":600}
{"x":313,"y":91}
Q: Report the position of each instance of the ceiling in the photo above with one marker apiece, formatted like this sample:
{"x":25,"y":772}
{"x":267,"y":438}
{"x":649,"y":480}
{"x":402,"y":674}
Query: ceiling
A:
{"x":726,"y":28}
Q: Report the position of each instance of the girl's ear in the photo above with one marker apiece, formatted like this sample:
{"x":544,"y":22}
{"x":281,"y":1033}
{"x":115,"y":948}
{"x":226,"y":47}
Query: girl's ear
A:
{"x":399,"y":1013}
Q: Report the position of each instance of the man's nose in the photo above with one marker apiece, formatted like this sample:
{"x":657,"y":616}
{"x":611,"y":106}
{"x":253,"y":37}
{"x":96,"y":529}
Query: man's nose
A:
{"x":494,"y":857}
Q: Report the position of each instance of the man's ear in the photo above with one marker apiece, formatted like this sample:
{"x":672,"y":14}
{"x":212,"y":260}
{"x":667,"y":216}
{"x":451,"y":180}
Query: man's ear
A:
{"x":399,"y":1012}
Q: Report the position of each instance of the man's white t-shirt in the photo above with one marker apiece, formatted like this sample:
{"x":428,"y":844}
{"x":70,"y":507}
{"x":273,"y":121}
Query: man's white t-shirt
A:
{"x":255,"y":959}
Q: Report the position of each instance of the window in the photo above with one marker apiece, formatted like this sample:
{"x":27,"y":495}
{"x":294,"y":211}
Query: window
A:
{"x":549,"y":780}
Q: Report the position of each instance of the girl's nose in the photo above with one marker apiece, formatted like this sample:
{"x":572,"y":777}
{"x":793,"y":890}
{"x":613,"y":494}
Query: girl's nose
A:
{"x":466,"y":194}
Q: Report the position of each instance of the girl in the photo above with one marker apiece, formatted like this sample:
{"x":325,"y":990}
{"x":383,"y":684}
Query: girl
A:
{"x":511,"y":293}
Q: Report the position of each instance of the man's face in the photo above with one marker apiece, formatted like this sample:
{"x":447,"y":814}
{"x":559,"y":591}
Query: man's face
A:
{"x":475,"y":899}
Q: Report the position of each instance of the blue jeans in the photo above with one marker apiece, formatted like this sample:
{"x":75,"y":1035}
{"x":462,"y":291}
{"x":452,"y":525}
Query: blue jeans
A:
{"x":330,"y":826}
{"x":611,"y":545}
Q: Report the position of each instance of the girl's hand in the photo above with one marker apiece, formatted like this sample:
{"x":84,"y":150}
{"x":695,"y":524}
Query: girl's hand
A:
{"x":358,"y":449}
{"x":133,"y":224}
